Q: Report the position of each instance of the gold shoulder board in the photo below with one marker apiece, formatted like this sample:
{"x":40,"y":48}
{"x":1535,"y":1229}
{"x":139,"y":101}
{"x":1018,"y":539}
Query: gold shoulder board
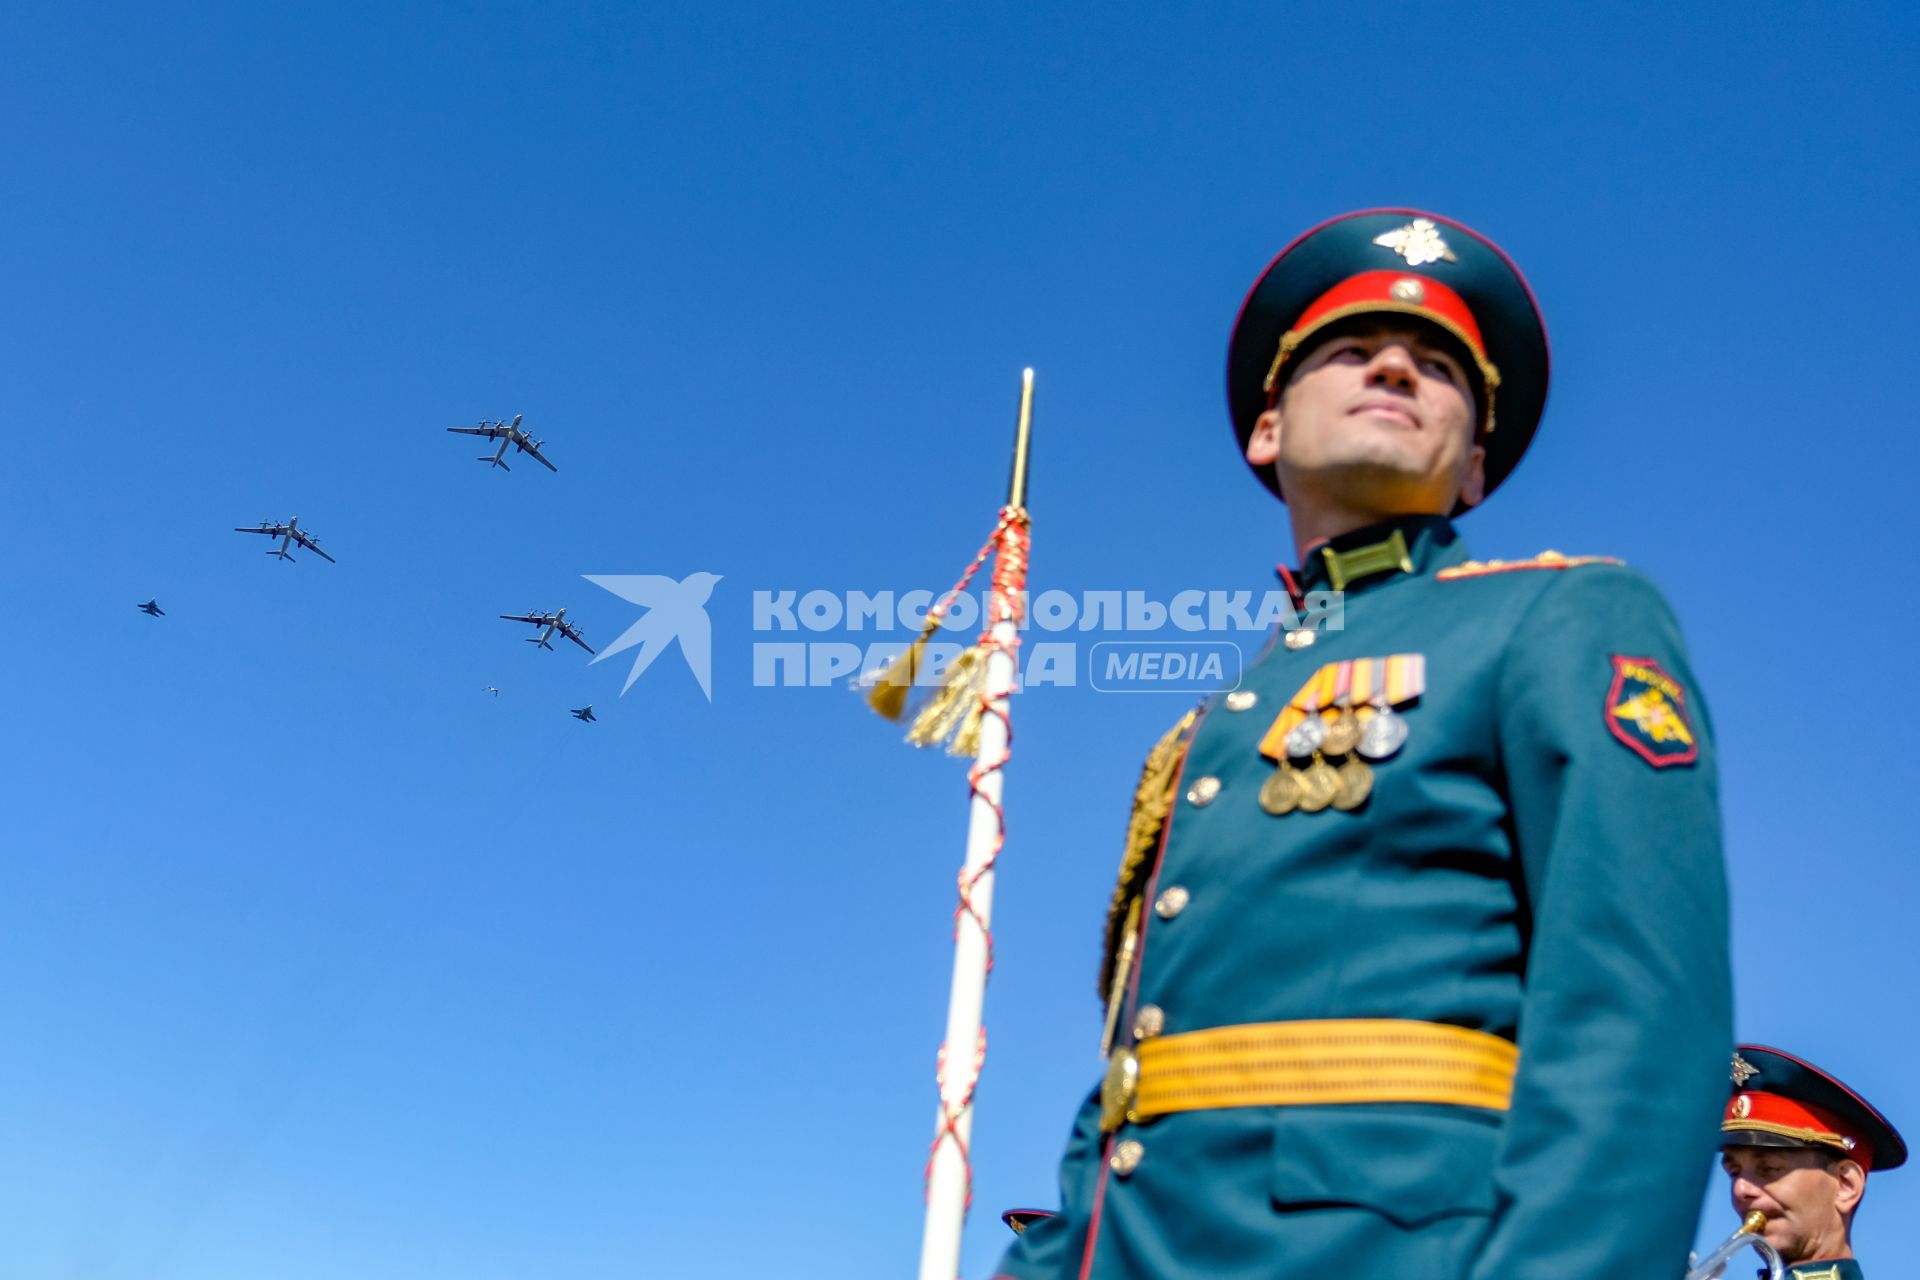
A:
{"x":1545,"y":560}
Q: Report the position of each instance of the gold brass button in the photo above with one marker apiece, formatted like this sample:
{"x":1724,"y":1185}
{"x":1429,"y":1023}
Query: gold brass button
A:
{"x":1172,"y":901}
{"x":1300,"y":639}
{"x":1202,"y":792}
{"x":1149,"y":1022}
{"x":1126,"y":1157}
{"x":1241,"y":699}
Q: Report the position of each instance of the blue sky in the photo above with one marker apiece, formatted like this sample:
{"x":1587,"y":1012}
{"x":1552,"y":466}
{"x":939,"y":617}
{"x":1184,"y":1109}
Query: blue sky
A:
{"x":323,"y":962}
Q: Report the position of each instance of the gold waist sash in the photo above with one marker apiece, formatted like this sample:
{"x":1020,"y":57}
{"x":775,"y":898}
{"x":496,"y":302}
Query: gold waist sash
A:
{"x":1266,"y":1064}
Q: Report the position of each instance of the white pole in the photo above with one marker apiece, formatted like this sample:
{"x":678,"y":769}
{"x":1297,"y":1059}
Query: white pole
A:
{"x":949,"y":1170}
{"x":947,"y":1177}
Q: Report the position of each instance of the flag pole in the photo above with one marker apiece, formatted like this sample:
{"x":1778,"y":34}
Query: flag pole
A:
{"x":949,"y":1169}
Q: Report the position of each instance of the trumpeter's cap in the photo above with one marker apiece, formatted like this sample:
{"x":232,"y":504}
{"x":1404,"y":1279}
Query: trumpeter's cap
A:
{"x":1782,"y":1101}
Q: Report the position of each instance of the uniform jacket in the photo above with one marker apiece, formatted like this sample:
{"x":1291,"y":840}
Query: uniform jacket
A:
{"x":1531,"y":864}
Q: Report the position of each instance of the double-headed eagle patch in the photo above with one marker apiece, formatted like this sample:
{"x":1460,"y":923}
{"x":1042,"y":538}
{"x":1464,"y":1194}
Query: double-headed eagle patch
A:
{"x":1646,"y":710}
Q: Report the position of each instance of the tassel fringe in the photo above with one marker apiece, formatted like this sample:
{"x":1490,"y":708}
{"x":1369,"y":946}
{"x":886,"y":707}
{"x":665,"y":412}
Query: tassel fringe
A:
{"x":953,"y":714}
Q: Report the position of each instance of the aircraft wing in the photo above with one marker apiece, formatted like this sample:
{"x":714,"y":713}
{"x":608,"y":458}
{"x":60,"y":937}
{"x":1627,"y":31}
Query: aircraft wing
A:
{"x":535,"y":619}
{"x":313,"y":545}
{"x":541,"y":458}
{"x":490,"y":433}
{"x":275,"y":530}
{"x":574,"y":636}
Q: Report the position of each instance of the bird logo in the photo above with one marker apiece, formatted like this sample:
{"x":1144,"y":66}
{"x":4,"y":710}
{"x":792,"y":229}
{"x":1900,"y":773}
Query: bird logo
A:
{"x":674,"y":611}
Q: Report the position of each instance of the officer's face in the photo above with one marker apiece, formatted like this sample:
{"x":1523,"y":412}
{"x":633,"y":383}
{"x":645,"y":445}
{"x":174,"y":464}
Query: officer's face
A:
{"x":1375,"y":419}
{"x":1806,"y":1197}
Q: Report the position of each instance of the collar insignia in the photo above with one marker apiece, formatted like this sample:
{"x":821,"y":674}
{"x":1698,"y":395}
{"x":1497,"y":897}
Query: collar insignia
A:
{"x":1389,"y":555}
{"x":1418,"y":242}
{"x":1743,"y":1071}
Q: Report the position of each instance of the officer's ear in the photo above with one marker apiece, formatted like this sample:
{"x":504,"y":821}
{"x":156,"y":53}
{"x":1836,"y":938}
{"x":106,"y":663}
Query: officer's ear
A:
{"x":1851,"y":1182}
{"x":1263,"y":446}
{"x":1473,"y":484}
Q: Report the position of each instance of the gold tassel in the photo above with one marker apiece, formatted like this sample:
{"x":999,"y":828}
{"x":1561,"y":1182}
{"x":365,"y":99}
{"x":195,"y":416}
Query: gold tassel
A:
{"x":889,"y":693}
{"x":966,"y":742}
{"x":957,"y":702}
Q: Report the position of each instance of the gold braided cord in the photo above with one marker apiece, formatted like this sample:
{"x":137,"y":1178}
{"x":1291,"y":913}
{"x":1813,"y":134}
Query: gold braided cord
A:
{"x":1151,"y":799}
{"x":1818,"y":1137}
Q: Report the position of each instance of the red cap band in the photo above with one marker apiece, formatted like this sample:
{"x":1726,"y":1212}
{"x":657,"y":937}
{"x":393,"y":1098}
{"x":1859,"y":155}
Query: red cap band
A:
{"x":1395,"y":292}
{"x":1787,"y":1118}
{"x":1417,"y":295}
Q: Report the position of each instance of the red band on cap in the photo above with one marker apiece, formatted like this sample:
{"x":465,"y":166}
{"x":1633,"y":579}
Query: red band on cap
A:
{"x":1403,"y":291}
{"x":1395,"y":292}
{"x":1816,"y":1126}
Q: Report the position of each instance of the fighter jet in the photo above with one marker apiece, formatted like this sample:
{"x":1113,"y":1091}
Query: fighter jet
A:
{"x":288,"y":533}
{"x":550,"y":623}
{"x":152,"y":609}
{"x":507,"y":433}
{"x":583,"y":713}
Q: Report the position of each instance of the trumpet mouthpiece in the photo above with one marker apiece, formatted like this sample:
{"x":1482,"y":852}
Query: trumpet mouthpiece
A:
{"x":1754,"y":1223}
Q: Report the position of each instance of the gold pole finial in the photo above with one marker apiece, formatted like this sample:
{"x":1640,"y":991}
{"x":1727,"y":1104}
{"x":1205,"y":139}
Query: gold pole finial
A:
{"x":1017,"y":490}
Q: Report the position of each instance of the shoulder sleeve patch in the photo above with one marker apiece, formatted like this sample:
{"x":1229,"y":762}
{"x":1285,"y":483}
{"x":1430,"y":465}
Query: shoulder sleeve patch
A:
{"x":1545,"y":560}
{"x":1646,"y":711}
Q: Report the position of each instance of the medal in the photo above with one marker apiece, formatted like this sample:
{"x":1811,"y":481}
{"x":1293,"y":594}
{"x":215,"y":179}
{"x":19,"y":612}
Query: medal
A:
{"x":1319,"y":784}
{"x":1384,"y":733}
{"x":1356,"y":784}
{"x":1343,"y":735}
{"x":1306,"y":737}
{"x":1280,"y":794}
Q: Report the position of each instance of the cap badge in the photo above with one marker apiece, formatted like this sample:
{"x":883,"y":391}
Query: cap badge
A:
{"x":1418,"y":242}
{"x":1742,"y":1107}
{"x":1743,"y":1071}
{"x":1407,"y":289}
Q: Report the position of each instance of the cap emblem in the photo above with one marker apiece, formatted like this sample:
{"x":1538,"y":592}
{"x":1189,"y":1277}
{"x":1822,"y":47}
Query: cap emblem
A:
{"x":1742,"y":1107}
{"x":1418,"y":242}
{"x":1407,"y":289}
{"x":1743,"y":1071}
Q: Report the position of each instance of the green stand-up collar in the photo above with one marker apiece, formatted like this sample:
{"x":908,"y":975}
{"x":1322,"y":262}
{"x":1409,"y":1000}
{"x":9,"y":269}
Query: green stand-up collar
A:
{"x":1381,"y":552}
{"x":1830,"y":1269}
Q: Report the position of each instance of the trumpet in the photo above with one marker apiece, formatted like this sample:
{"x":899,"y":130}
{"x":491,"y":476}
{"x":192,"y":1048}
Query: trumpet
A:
{"x":1715,"y":1263}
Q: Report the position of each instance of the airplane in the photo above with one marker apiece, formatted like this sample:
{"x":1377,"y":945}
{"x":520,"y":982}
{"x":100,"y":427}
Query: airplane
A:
{"x":289,"y":533}
{"x":152,"y":609}
{"x":583,"y":713}
{"x":490,"y":689}
{"x":550,"y":623}
{"x":507,"y":433}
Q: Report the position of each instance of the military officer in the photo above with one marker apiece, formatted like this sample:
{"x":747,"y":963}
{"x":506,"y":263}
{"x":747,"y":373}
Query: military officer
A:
{"x":1797,"y":1145}
{"x":1417,"y":963}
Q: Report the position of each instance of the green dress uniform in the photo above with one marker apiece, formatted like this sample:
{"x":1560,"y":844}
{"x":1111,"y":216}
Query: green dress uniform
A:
{"x":1417,"y":966}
